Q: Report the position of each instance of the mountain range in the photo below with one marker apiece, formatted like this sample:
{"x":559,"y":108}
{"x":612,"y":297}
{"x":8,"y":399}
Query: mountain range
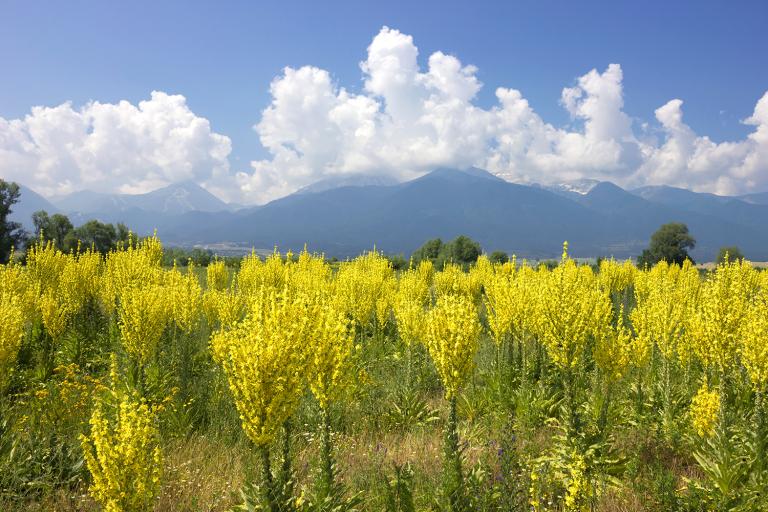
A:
{"x":346,"y":216}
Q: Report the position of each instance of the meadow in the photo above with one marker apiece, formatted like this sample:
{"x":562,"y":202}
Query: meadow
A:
{"x":288,"y":383}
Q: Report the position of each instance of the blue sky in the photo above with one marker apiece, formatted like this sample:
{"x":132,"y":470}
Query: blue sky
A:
{"x":222,"y":56}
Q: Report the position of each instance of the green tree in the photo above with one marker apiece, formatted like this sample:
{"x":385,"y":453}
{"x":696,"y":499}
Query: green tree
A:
{"x":732,"y":253}
{"x":54,"y":227}
{"x":669,"y":243}
{"x":11,"y":233}
{"x":429,"y":251}
{"x":498,"y":257}
{"x":461,"y":250}
{"x":103,"y":237}
{"x":398,"y":261}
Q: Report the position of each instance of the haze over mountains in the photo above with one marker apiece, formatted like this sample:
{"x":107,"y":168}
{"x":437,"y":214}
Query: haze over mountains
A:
{"x":346,"y":216}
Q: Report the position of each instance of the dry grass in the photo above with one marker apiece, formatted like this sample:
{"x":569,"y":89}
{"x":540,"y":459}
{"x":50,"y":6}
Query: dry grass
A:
{"x":205,"y":474}
{"x":200,"y":474}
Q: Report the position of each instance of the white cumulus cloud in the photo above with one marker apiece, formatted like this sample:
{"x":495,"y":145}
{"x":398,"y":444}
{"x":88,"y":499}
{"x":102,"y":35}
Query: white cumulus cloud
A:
{"x":112,"y":147}
{"x":407,"y":119}
{"x":694,"y":161}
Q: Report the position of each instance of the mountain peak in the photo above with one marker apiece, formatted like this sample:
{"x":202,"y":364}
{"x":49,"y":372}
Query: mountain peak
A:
{"x":471,"y":174}
{"x":348,"y":180}
{"x":606,"y":187}
{"x":571,"y":188}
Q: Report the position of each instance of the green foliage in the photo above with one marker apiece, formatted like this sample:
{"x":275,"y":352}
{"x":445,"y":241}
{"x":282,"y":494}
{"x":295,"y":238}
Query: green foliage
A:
{"x":103,"y":237}
{"x":11,"y":233}
{"x":669,"y":243}
{"x":727,"y":254}
{"x":431,"y":251}
{"x":58,"y":228}
{"x":409,"y":411}
{"x":181,"y":257}
{"x":398,"y":261}
{"x":53,"y":228}
{"x":461,"y":250}
{"x":498,"y":257}
{"x":399,"y":490}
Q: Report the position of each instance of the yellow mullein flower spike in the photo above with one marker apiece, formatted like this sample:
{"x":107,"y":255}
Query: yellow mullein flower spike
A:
{"x":570,"y":310}
{"x":753,"y":345}
{"x":264,"y":358}
{"x":717,"y":321}
{"x":330,"y":360}
{"x":452,"y":335}
{"x":123,"y":455}
{"x":11,"y":333}
{"x":217,"y":276}
{"x":704,"y":410}
{"x":144,"y":314}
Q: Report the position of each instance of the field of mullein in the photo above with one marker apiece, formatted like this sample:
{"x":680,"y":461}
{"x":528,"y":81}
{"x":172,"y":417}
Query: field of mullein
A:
{"x":291,"y":384}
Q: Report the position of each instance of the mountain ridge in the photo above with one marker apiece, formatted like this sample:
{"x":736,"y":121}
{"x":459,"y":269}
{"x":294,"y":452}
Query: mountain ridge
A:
{"x":345,"y":217}
{"x":173,"y":199}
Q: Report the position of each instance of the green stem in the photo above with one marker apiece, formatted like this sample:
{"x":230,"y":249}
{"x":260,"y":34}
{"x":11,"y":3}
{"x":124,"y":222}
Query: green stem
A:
{"x":572,"y":420}
{"x":760,"y":438}
{"x":49,"y":355}
{"x":327,"y":454}
{"x":603,"y":420}
{"x":409,"y":349}
{"x":286,"y":476}
{"x":269,"y":484}
{"x":539,"y":362}
{"x":453,"y":461}
{"x":667,"y":397}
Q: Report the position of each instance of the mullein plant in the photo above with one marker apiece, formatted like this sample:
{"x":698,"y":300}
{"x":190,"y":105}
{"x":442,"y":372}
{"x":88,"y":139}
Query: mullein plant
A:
{"x":143,"y":316}
{"x":410,"y":303}
{"x":122,"y":450}
{"x":12,"y":325}
{"x":665,"y":298}
{"x":45,"y":265}
{"x":364,"y":287}
{"x":574,"y":319}
{"x":723,"y":324}
{"x":754,"y":357}
{"x":265,"y":361}
{"x":509,"y":301}
{"x":570,"y":311}
{"x":331,"y":376}
{"x":452,"y":334}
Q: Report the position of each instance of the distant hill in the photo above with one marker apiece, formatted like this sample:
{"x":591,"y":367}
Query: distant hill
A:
{"x":759,"y":198}
{"x":142,"y":212}
{"x":345,"y":216}
{"x":732,"y":209}
{"x":29,"y":203}
{"x":171,"y":200}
